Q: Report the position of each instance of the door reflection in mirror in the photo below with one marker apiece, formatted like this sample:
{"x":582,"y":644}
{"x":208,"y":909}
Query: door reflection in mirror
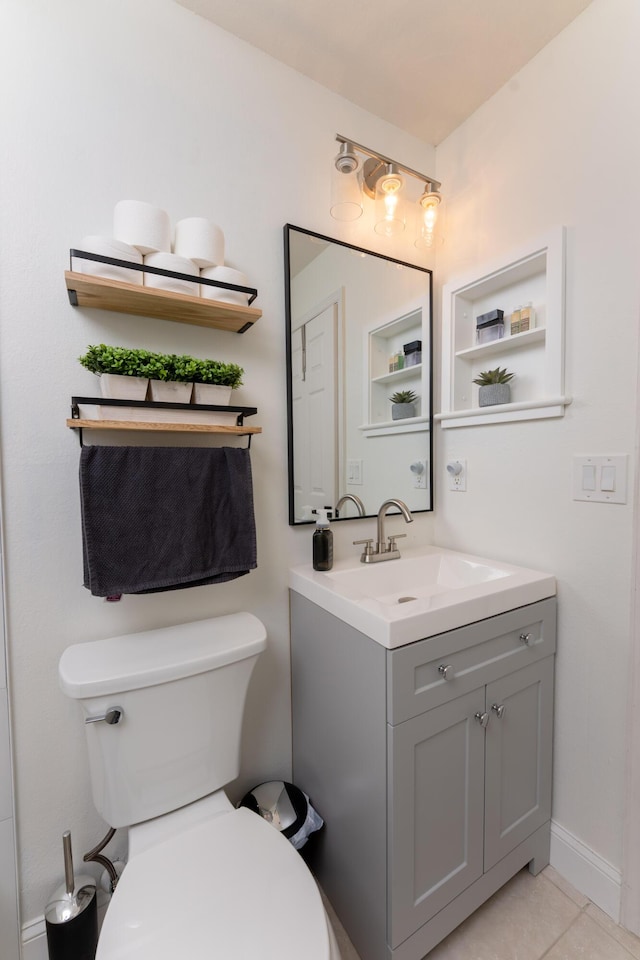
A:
{"x":358,"y":332}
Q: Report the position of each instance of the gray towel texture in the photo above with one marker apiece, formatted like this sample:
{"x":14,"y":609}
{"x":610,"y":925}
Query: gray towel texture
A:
{"x":165,"y":518}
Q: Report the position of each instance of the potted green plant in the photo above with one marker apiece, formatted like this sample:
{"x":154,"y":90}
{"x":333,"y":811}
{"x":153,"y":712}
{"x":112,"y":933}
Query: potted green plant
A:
{"x":165,"y":384}
{"x":213,"y":381}
{"x":121,"y":370}
{"x":403,"y":404}
{"x":125,"y":374}
{"x":494,"y":387}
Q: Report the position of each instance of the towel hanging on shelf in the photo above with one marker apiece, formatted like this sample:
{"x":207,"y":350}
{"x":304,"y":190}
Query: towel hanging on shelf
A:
{"x":165,"y":518}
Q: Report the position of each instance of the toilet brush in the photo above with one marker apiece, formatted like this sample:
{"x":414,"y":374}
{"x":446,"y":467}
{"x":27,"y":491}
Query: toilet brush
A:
{"x":71,"y":916}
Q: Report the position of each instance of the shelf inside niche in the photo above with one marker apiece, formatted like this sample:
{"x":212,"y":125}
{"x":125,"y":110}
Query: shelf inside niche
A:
{"x":385,"y":341}
{"x":399,"y":376}
{"x":504,"y":345}
{"x":390,"y":427}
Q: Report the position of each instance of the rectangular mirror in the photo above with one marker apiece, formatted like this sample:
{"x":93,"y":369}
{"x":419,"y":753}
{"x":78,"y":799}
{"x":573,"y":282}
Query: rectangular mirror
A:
{"x":358,"y":331}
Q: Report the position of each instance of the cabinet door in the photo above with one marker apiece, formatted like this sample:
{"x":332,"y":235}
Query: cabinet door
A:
{"x":436,"y":811}
{"x":518,"y":758}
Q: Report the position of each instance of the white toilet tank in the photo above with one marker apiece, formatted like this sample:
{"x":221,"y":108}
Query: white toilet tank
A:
{"x":181,"y":692}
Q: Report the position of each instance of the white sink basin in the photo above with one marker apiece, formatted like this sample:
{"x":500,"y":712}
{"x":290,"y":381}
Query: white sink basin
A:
{"x":398,"y":581}
{"x":426,"y":592}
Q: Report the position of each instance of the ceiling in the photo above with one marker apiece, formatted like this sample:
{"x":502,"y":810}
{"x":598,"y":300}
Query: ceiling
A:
{"x":422,"y":65}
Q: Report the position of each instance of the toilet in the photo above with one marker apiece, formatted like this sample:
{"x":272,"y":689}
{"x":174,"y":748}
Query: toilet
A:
{"x":205,"y":881}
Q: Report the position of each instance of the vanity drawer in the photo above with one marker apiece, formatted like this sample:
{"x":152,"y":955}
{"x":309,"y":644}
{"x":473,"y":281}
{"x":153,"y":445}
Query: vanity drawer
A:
{"x":474,"y":655}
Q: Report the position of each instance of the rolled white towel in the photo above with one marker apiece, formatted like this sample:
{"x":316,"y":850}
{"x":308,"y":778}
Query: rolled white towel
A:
{"x":108,"y":247}
{"x":142,"y":225}
{"x":200,"y":241}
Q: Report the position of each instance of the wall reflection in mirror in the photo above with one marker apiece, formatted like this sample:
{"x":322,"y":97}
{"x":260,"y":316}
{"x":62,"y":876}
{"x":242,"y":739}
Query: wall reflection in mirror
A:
{"x":358,"y":333}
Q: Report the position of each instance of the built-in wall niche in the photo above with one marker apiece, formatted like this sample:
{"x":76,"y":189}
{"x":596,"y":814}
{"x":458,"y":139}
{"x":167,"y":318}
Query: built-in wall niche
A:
{"x":533,"y":275}
{"x":383,"y":343}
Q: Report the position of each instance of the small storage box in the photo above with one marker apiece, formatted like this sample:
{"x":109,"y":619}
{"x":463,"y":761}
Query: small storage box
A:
{"x":412,"y":353}
{"x":490,"y":326}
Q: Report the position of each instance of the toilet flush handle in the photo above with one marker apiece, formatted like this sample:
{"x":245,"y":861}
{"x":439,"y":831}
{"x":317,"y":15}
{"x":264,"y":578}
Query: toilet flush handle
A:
{"x":112,"y":715}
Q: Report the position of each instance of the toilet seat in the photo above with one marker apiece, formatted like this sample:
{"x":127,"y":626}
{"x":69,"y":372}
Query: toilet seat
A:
{"x":229,"y":887}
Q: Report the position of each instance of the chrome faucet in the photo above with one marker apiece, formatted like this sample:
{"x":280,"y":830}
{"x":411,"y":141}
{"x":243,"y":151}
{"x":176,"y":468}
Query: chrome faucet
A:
{"x":389,"y":550}
{"x":359,"y":505}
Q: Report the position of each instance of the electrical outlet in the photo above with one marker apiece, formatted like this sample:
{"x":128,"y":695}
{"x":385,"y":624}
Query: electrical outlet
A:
{"x":457,"y":470}
{"x":420,"y":474}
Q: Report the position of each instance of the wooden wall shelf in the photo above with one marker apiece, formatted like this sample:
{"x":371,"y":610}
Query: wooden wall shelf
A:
{"x":242,"y":431}
{"x":86,"y":290}
{"x":81,"y":422}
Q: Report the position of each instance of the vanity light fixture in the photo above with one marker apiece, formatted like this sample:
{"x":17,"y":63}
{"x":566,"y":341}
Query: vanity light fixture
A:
{"x":358,"y":170}
{"x":346,"y":195}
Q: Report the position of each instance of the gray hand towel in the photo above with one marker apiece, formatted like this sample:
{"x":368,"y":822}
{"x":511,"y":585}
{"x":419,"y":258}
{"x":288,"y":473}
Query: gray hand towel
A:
{"x":164,"y":518}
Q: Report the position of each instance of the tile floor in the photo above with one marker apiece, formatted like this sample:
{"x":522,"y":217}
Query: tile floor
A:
{"x":530,"y":918}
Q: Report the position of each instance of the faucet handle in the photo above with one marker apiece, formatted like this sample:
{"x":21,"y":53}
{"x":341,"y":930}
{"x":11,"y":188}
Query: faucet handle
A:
{"x":368,"y":549}
{"x":392,"y":539}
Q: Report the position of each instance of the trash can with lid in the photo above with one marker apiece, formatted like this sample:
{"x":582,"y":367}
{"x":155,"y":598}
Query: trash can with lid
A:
{"x":285,"y":807}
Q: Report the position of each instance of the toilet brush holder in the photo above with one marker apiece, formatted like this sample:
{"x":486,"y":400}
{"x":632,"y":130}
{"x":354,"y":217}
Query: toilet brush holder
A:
{"x":71,"y":916}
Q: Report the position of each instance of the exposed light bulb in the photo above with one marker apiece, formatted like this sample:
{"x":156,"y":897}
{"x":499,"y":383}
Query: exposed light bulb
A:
{"x":429,"y":203}
{"x":390,"y":204}
{"x":389,"y":215}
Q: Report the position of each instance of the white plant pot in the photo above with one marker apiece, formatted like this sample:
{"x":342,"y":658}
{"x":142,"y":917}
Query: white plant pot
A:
{"x":114,"y":386}
{"x":170,"y":391}
{"x":211,"y":393}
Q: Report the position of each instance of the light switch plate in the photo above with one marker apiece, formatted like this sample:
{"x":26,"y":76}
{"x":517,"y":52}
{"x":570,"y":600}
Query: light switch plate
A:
{"x":601,"y":479}
{"x":354,"y":472}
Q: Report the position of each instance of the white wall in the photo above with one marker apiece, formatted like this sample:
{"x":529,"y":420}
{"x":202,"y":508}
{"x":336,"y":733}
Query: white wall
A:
{"x":560,"y":144}
{"x":142,"y":99}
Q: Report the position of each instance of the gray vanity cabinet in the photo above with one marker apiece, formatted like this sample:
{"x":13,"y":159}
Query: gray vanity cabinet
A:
{"x":437,"y":811}
{"x":518,"y":758}
{"x":431,"y":765}
{"x":463,"y":795}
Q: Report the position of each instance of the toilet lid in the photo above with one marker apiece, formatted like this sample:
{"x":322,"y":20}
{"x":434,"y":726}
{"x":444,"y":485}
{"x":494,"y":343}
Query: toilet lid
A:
{"x":230,"y":888}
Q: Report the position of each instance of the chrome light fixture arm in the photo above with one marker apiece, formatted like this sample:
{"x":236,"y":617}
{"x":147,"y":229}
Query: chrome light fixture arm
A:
{"x":383,"y":161}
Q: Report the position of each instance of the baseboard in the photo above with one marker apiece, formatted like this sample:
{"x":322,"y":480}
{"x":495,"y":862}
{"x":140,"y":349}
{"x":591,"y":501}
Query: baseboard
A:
{"x":34,"y":940}
{"x":34,"y":935}
{"x":586,"y":870}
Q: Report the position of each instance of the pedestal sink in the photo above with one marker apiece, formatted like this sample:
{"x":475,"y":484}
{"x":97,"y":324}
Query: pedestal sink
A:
{"x":428,"y":591}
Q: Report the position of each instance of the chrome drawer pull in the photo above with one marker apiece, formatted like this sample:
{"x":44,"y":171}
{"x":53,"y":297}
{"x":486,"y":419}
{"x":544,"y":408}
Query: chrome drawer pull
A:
{"x":446,"y":670}
{"x":482,"y":718}
{"x":527,"y":638}
{"x":498,"y":710}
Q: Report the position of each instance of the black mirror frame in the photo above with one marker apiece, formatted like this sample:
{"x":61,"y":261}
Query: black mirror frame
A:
{"x":288,"y":228}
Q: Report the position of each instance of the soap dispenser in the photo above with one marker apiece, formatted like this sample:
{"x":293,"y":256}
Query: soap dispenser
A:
{"x":322,"y":542}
